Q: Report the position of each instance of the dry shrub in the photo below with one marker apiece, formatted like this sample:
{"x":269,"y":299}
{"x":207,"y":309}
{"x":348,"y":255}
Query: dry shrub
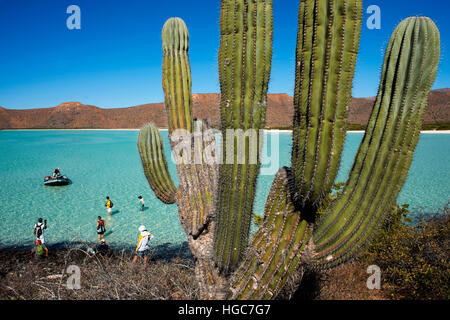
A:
{"x":414,"y":258}
{"x":102,"y":278}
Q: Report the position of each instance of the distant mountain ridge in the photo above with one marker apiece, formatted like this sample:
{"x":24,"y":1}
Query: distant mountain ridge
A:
{"x":73,"y":115}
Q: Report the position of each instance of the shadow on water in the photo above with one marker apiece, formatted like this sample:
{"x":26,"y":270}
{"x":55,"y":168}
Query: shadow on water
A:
{"x":113,"y":212}
{"x":164,"y":252}
{"x":107,"y":233}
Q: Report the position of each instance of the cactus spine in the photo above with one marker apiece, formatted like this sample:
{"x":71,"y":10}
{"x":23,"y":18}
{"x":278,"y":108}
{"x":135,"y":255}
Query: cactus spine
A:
{"x":244,"y":68}
{"x":216,"y":212}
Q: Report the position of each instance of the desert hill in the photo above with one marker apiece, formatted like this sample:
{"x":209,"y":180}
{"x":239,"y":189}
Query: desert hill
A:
{"x":72,"y":115}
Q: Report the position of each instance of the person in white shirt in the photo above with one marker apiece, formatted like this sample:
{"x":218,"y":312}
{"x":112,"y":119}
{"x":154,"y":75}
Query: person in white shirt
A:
{"x":142,"y":248}
{"x":38,"y":231}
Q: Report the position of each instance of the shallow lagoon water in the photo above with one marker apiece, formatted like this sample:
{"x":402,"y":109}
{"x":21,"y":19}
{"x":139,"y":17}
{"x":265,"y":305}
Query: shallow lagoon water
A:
{"x":107,"y":162}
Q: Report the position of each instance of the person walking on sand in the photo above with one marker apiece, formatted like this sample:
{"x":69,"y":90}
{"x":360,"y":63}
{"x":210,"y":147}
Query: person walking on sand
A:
{"x":142,"y":248}
{"x":141,"y":201}
{"x":101,"y":228}
{"x":108,"y":205}
{"x":38,"y":250}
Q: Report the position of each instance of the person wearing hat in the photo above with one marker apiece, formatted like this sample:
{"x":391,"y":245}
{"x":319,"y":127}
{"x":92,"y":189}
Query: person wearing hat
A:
{"x":142,"y":247}
{"x":38,"y":251}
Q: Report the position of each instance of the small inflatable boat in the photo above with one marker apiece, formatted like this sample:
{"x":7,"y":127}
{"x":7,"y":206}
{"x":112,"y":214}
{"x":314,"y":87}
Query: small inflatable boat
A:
{"x":58,"y":181}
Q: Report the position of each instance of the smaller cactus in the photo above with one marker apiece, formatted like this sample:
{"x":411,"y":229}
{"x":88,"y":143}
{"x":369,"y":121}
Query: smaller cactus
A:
{"x":151,"y":150}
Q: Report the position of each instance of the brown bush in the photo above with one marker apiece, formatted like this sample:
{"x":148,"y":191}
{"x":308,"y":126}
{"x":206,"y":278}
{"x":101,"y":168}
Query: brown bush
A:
{"x":102,"y":278}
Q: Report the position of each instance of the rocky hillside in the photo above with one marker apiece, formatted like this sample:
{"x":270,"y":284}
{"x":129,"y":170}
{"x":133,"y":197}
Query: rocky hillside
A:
{"x":73,"y":115}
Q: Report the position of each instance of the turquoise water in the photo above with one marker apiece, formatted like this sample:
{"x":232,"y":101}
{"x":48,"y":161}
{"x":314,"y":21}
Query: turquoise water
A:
{"x":102,"y":163}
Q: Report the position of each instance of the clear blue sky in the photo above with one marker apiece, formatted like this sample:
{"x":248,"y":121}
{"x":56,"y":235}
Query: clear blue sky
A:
{"x":115,"y":59}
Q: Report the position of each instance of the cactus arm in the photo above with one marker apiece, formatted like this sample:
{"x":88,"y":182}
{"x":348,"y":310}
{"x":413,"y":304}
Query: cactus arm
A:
{"x":151,"y":150}
{"x":386,"y":152}
{"x":327,"y":46}
{"x":176,"y":79}
{"x":244,"y":69}
{"x":197,"y":179}
{"x":277,"y":248}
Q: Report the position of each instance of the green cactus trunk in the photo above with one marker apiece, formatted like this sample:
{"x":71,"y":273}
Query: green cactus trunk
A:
{"x":327,"y":45}
{"x":196,"y":177}
{"x":244,"y":69}
{"x":277,"y":249}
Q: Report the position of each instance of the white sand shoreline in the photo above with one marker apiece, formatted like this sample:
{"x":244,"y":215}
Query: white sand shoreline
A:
{"x":271,"y":130}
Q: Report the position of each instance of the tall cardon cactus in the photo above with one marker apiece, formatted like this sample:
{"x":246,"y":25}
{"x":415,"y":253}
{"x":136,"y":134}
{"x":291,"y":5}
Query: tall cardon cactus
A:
{"x":197,"y":173}
{"x":215,"y":194}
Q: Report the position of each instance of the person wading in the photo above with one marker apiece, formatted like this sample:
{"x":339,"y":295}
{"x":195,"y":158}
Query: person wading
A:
{"x":101,"y":228}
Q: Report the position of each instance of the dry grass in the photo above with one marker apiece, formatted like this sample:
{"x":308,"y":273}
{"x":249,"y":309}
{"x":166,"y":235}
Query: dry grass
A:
{"x":348,"y":282}
{"x":102,"y":278}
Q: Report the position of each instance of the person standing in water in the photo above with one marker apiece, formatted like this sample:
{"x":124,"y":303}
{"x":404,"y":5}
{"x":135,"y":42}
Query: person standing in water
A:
{"x":101,"y":228}
{"x":108,"y":205}
{"x":38,"y":231}
{"x":141,"y":201}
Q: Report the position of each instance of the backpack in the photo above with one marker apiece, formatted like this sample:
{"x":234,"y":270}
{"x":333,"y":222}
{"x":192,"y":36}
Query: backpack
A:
{"x":101,"y":227}
{"x":111,"y":204}
{"x":39,"y":250}
{"x":39,"y":231}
